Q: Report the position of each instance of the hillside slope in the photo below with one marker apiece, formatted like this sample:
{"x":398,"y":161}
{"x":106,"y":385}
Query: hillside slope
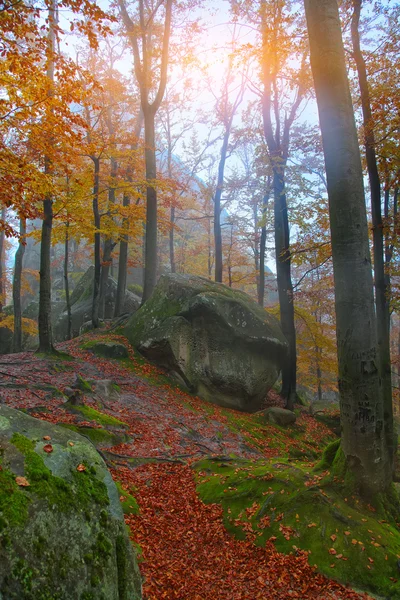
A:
{"x":220,"y":504}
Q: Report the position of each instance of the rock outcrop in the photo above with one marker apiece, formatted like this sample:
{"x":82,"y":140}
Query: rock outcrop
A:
{"x":81,"y":305}
{"x":216,"y":340}
{"x":62,"y":532}
{"x":278,"y":416}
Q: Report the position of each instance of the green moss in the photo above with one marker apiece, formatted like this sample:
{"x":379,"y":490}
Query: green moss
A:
{"x":91,"y":414}
{"x":13,"y":503}
{"x":122,"y":566}
{"x":96,"y":436}
{"x":128,"y":502}
{"x":83,"y":385}
{"x":279,"y":499}
{"x":328,"y":456}
{"x":80,"y":494}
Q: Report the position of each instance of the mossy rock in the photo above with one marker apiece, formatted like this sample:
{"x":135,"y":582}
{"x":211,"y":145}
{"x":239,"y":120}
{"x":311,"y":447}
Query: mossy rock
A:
{"x":88,"y":413}
{"x":81,"y":305}
{"x":214,"y":339}
{"x":278,"y":416}
{"x":62,"y":533}
{"x":107,"y":349}
{"x":346,"y":539}
{"x":98,"y":436}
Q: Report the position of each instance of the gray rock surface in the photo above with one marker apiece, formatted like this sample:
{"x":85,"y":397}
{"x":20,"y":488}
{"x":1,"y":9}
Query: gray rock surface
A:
{"x":216,"y":340}
{"x":278,"y":416}
{"x":62,"y":532}
{"x":81,"y":306}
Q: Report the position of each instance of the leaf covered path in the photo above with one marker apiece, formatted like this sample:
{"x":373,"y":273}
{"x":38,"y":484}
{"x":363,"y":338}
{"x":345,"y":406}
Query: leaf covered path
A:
{"x":187,"y":554}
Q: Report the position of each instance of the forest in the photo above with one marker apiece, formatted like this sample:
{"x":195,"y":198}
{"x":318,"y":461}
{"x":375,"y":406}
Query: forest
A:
{"x":199,"y":299}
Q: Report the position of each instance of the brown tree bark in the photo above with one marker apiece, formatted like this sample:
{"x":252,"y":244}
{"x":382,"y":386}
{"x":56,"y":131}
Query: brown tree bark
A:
{"x":123,"y":246}
{"x":366,"y":457}
{"x":66,"y":282}
{"x":97,"y":241}
{"x":2,"y":262}
{"x":382,"y":283}
{"x":44,"y":320}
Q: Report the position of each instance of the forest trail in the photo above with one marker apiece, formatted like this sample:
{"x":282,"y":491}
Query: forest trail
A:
{"x":185,"y":551}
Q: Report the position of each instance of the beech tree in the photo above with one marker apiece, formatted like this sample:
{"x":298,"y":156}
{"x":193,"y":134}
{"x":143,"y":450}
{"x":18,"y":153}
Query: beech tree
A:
{"x":141,"y":41}
{"x":382,"y":282}
{"x":364,"y":451}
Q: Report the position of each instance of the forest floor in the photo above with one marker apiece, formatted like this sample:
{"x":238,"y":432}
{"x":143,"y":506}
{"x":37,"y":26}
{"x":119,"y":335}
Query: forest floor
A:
{"x":220,"y":505}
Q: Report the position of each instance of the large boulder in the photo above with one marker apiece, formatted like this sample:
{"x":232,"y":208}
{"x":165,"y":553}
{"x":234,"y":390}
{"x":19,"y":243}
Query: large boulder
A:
{"x":81,"y":305}
{"x":217,"y":340}
{"x":62,"y":531}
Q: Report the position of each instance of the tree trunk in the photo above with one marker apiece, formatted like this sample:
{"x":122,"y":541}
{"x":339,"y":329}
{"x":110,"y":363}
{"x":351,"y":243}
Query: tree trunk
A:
{"x":2,"y":263}
{"x":123,"y":246}
{"x":364,"y":445}
{"x":171,"y":241}
{"x":19,"y":255}
{"x":150,"y":261}
{"x":44,"y":320}
{"x":284,"y":281}
{"x":66,"y":282}
{"x":97,"y":258}
{"x":123,"y":261}
{"x":382,"y":284}
{"x":109,"y":244}
{"x":217,"y":208}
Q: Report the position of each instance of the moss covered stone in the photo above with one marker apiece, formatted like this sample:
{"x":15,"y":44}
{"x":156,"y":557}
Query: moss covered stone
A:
{"x":91,"y":414}
{"x":61,"y":523}
{"x":215,"y":340}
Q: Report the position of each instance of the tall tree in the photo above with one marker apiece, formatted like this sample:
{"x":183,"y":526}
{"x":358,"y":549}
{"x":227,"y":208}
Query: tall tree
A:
{"x":144,"y":71}
{"x":2,"y":261}
{"x":382,"y":282}
{"x":44,"y":322}
{"x":274,"y":27}
{"x":232,"y":93}
{"x":364,"y":445}
{"x":123,"y":245}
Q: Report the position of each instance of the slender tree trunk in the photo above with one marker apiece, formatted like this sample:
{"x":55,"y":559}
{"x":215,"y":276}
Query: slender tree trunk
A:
{"x":109,"y":243}
{"x":123,"y":247}
{"x":2,"y":263}
{"x":364,"y":443}
{"x":217,"y":207}
{"x":19,"y":255}
{"x":66,"y":282}
{"x":263,"y":241}
{"x":44,"y":320}
{"x":171,"y":240}
{"x":97,"y":257}
{"x":382,"y":284}
{"x":150,"y":261}
{"x":123,"y":261}
{"x":143,"y":76}
{"x":285,"y":288}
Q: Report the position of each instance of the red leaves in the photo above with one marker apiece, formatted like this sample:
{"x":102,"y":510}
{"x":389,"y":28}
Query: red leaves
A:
{"x":81,"y":468}
{"x":48,"y":448}
{"x":188,"y":554}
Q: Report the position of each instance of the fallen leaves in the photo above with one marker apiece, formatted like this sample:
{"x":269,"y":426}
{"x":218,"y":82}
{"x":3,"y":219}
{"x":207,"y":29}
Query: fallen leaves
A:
{"x":22,"y":481}
{"x":188,"y":554}
{"x":81,"y":468}
{"x":48,"y":448}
